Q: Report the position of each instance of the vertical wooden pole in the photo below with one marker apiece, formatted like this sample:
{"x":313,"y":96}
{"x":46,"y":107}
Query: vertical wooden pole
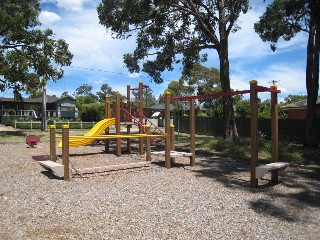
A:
{"x":141,"y":130}
{"x":254,"y":132}
{"x":148,"y":144}
{"x":192,"y":133}
{"x":117,"y":115}
{"x":172,"y":142}
{"x":167,"y":129}
{"x":53,"y":152}
{"x":65,"y":151}
{"x":274,"y":132}
{"x":107,"y":115}
{"x":128,"y":118}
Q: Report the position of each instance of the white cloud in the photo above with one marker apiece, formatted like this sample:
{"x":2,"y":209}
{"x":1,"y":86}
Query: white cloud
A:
{"x":71,"y":5}
{"x":47,"y":17}
{"x":134,"y":75}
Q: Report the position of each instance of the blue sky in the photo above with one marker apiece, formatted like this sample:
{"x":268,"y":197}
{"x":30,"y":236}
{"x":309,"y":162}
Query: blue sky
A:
{"x":98,"y":57}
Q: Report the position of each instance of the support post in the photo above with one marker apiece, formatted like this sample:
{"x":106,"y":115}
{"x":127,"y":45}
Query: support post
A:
{"x":106,"y":131}
{"x":148,"y":144}
{"x":192,"y":133}
{"x":254,"y":132}
{"x":128,"y":119}
{"x":141,"y":130}
{"x":274,"y":132}
{"x":167,"y":129}
{"x":117,"y":115}
{"x":53,"y":152}
{"x":65,"y":152}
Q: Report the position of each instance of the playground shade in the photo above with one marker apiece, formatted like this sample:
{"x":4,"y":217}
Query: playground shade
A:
{"x":96,"y":130}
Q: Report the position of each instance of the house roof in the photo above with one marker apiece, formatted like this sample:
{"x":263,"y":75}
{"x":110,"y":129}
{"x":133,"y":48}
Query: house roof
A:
{"x":300,"y":104}
{"x":50,"y":99}
{"x":161,"y":106}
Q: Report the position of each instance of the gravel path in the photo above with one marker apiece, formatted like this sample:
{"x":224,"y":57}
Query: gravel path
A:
{"x":212,"y":200}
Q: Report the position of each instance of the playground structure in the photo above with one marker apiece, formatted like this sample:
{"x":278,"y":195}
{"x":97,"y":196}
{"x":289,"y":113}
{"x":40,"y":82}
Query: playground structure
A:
{"x":169,"y":153}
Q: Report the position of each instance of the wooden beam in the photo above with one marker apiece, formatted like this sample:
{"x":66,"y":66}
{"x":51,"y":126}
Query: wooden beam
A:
{"x":192,"y":132}
{"x":167,"y":129}
{"x":65,"y":152}
{"x":53,"y":147}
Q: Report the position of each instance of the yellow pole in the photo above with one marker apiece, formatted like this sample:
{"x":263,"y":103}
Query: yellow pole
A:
{"x":65,"y":151}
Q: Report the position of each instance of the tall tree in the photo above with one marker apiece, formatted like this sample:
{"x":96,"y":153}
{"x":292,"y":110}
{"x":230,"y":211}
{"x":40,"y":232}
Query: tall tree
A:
{"x":29,"y":57}
{"x":84,"y":95}
{"x":284,"y":19}
{"x":106,"y":90}
{"x":174,"y":31}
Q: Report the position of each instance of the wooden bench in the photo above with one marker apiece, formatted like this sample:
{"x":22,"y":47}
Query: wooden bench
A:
{"x":56,"y":168}
{"x":263,"y":169}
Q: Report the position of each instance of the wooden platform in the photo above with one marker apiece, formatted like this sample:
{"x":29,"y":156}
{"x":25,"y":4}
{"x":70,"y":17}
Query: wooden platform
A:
{"x":56,"y":168}
{"x":263,"y":169}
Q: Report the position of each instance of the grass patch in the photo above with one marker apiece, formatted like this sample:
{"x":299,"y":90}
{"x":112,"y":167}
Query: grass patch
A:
{"x":289,"y":151}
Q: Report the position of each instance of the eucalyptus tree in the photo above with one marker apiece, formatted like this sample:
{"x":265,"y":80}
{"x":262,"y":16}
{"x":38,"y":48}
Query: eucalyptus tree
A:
{"x":170,"y":32}
{"x":29,"y":56}
{"x":284,"y":19}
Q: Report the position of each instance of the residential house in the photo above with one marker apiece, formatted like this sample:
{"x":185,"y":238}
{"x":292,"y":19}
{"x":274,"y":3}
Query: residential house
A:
{"x":32,"y":108}
{"x":298,"y":110}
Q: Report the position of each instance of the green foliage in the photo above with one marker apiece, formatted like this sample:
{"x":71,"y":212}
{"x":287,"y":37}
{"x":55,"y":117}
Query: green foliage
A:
{"x":284,"y":19}
{"x":172,"y":31}
{"x":92,"y":112}
{"x":29,"y":57}
{"x":293,"y":98}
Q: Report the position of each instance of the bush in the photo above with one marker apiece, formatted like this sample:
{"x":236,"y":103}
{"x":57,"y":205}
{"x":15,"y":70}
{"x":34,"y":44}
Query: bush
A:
{"x":92,"y":112}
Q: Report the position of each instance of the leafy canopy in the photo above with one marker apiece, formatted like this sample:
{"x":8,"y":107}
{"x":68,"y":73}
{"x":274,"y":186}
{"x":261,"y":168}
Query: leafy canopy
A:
{"x":28,"y":56}
{"x":169,"y":31}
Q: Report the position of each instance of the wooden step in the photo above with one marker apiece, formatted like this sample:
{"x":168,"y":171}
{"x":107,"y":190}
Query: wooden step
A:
{"x":56,"y":168}
{"x":263,"y":169}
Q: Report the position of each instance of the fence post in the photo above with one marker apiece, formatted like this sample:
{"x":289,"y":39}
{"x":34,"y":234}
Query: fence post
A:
{"x":15,"y":124}
{"x":31,"y":124}
{"x":65,"y":151}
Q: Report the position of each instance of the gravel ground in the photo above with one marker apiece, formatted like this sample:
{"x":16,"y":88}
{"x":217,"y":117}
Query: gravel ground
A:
{"x":212,"y":200}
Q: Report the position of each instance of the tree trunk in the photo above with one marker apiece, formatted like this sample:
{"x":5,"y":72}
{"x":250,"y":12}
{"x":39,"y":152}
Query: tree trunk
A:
{"x":312,"y":78}
{"x":230,"y":127}
{"x":44,"y":109}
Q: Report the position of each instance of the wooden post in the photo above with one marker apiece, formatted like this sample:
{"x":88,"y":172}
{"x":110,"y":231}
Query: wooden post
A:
{"x":65,"y":151}
{"x":148,"y":144}
{"x":117,"y":116}
{"x":254,"y":132}
{"x":128,"y":118}
{"x":274,"y":132}
{"x":172,"y":143}
{"x":53,"y":153}
{"x":141,"y":130}
{"x":192,"y":133}
{"x":106,"y":131}
{"x":167,"y":129}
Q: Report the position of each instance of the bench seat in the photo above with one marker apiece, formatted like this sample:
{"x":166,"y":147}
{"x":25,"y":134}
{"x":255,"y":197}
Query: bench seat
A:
{"x":56,"y":168}
{"x":263,"y":169}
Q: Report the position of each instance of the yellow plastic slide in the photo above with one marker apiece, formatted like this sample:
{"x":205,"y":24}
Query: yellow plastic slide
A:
{"x":96,"y":130}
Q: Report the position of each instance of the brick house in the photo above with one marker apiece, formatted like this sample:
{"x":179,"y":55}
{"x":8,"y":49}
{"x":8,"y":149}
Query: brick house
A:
{"x":298,"y":110}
